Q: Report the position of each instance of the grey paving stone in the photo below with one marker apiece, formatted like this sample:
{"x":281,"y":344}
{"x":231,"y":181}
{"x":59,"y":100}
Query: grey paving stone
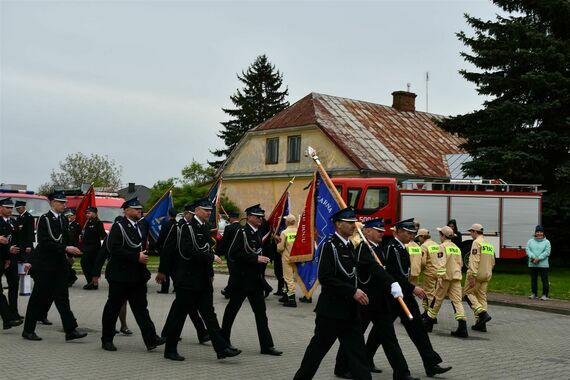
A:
{"x":520,"y":344}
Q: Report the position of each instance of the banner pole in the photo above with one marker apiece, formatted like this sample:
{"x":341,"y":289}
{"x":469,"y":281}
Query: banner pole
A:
{"x":313,"y":154}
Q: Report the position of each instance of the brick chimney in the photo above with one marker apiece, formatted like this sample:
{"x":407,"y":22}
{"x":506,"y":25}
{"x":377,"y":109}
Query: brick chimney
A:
{"x":132,"y":187}
{"x":404,"y":101}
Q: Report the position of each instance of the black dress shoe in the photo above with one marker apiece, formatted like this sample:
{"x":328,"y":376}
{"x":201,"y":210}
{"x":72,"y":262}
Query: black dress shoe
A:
{"x":174,"y":356}
{"x":344,"y":375}
{"x":375,"y":369}
{"x":271,"y":351}
{"x":108,"y":346}
{"x":203,"y":339}
{"x":161,"y":292}
{"x":436,"y":370}
{"x":228,"y":353}
{"x":91,"y":286}
{"x":45,"y":321}
{"x":408,"y":377}
{"x":305,"y":300}
{"x":30,"y":336}
{"x":156,"y":341}
{"x":74,"y":335}
{"x":12,"y":323}
{"x":278,"y":293}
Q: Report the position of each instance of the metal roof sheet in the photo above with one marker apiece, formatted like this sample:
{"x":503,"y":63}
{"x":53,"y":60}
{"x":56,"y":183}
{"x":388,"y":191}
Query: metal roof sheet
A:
{"x":375,"y":137}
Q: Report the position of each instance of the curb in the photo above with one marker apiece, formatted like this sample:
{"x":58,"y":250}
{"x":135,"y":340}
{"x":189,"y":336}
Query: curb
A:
{"x":543,"y":308}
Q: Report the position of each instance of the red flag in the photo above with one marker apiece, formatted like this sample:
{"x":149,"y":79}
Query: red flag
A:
{"x":276,"y":216}
{"x":304,"y":248}
{"x":88,"y":200}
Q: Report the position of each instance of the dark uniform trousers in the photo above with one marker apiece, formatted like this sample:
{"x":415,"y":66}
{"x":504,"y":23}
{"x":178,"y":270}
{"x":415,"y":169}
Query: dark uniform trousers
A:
{"x":5,"y":311}
{"x":13,"y":280}
{"x":50,"y":271}
{"x":74,"y":231}
{"x":257,"y":302}
{"x":135,"y":293}
{"x":338,"y":314}
{"x":93,"y":233}
{"x":378,"y":312}
{"x":127,"y":280}
{"x":192,"y":313}
{"x":193,"y":284}
{"x":397,"y":260}
{"x":187,"y":302}
{"x":50,"y":287}
{"x":246,"y":281}
{"x":168,"y":264}
{"x":8,"y":229}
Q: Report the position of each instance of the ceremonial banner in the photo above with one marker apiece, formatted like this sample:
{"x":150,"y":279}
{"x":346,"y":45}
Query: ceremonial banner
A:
{"x":214,"y":195}
{"x":158,"y":213}
{"x":275,"y":219}
{"x":325,"y":206}
{"x":87,"y":201}
{"x":303,"y":246}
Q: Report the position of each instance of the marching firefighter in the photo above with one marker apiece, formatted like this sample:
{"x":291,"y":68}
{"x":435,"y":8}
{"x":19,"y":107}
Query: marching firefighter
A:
{"x":448,"y":283}
{"x":429,"y":265}
{"x":284,"y":246}
{"x":479,"y":273}
{"x":415,"y":253}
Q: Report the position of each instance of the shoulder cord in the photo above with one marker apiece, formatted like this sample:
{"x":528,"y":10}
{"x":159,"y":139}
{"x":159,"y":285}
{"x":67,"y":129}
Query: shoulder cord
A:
{"x":248,"y":248}
{"x":397,"y":254}
{"x":50,"y":232}
{"x":231,"y":245}
{"x":168,"y":234}
{"x":9,"y":236}
{"x":358,"y":260}
{"x":202,"y":249}
{"x":126,"y":238}
{"x":339,"y":265}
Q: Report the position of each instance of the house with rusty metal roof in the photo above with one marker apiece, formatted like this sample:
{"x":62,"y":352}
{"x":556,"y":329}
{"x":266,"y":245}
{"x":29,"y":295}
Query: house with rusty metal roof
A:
{"x":353,"y":138}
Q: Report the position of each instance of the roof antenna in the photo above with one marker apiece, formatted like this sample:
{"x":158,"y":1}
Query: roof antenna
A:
{"x":427,"y":90}
{"x":408,"y":85}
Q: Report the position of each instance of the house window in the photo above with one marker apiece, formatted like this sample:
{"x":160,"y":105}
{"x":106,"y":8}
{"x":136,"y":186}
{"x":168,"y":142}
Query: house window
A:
{"x":272,"y":151}
{"x":293,"y":148}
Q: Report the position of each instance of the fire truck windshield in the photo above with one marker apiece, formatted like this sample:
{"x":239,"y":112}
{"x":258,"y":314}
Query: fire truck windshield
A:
{"x":108,"y":214}
{"x":35,"y":206}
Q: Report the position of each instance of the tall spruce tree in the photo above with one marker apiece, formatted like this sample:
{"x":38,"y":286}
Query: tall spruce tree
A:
{"x":260,"y":99}
{"x":522,"y":133}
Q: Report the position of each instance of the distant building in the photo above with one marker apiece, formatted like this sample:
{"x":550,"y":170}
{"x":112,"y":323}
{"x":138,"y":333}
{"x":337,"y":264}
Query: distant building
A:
{"x":132,"y":190}
{"x":353,"y":139}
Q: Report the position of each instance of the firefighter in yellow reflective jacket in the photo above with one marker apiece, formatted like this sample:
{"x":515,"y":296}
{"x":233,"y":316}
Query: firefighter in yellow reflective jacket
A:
{"x":448,"y":283}
{"x":429,"y":266}
{"x":415,"y":253}
{"x":479,"y":273}
{"x":284,"y":245}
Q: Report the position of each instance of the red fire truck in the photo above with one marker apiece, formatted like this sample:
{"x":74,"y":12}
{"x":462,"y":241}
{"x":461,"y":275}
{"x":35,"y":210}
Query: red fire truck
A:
{"x":509,"y":213}
{"x":108,"y":205}
{"x":36,"y":204}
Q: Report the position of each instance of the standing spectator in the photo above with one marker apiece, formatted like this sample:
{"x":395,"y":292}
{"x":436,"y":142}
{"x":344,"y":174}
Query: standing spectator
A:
{"x":456,"y":239}
{"x":538,"y":250}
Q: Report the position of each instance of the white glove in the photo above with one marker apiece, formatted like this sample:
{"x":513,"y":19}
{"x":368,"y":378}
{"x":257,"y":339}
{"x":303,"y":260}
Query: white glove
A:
{"x":396,"y":290}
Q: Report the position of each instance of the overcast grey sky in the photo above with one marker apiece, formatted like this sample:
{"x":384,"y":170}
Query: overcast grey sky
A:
{"x":144,"y":82}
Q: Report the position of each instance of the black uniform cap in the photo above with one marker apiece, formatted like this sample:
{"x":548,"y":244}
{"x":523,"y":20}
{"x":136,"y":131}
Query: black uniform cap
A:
{"x":7,"y":202}
{"x":255,"y":210}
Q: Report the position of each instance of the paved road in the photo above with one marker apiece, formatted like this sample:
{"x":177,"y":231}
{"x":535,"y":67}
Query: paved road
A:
{"x":520,"y":344}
